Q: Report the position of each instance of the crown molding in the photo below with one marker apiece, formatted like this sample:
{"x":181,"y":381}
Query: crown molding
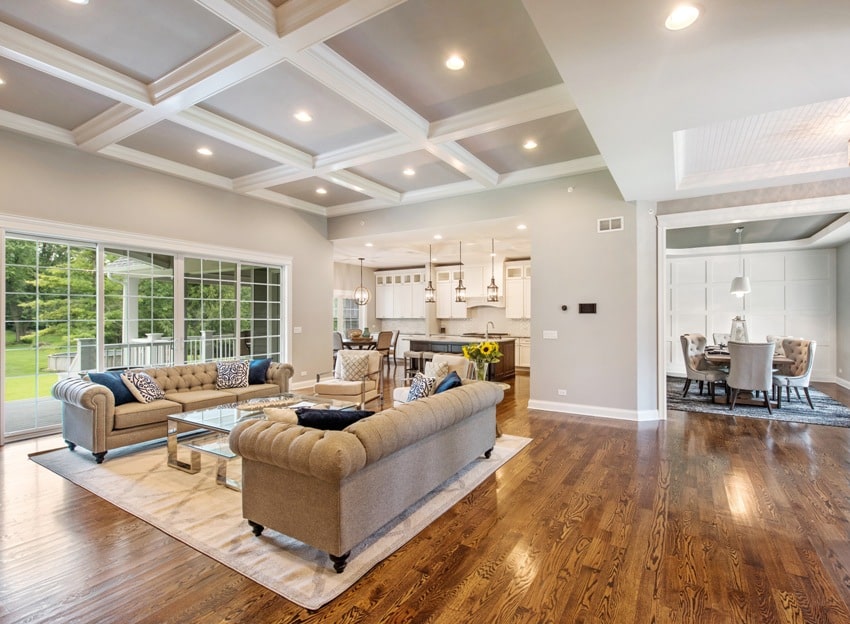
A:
{"x":255,"y":18}
{"x":290,"y":202}
{"x":37,"y":129}
{"x":369,"y":151}
{"x":579,"y":166}
{"x":360,"y":184}
{"x":163,"y":165}
{"x":459,"y":158}
{"x":269,"y":178}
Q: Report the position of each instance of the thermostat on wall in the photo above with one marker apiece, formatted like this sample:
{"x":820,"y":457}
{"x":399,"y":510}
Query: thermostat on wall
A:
{"x":587,"y":308}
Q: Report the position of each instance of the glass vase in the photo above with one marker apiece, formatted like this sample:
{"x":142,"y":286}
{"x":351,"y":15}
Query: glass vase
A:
{"x":481,"y":369}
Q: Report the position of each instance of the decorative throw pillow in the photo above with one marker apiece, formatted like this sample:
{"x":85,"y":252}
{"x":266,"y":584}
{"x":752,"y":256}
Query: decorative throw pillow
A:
{"x":231,"y":374}
{"x":257,"y":371}
{"x":436,"y":369}
{"x":353,"y":366}
{"x":421,"y":386}
{"x":281,"y":414}
{"x":142,"y":385}
{"x":113,"y":381}
{"x":452,"y":380}
{"x":335,"y":420}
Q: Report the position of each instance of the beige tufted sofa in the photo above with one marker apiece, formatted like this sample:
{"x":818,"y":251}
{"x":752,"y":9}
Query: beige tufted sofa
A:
{"x":333,"y":489}
{"x":91,"y":419}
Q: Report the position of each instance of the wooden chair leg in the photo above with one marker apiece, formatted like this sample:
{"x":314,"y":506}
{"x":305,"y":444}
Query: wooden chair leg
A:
{"x":797,"y":390}
{"x":700,"y":387}
{"x":808,"y":398}
{"x":734,"y":398}
{"x":788,"y":393}
{"x":687,"y":385}
{"x":767,"y":402}
{"x":778,"y":394}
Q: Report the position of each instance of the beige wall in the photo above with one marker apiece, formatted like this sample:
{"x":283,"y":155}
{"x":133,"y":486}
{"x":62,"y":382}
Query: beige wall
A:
{"x":45,"y":181}
{"x":842,"y":353}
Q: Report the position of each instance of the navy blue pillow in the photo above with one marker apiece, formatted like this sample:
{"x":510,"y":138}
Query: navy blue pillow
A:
{"x":257,"y":371}
{"x":452,"y":380}
{"x":335,"y":420}
{"x":112,"y":380}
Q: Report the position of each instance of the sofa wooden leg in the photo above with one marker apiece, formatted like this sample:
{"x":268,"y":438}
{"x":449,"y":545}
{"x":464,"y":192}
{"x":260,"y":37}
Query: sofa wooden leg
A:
{"x":98,"y":457}
{"x":488,"y":452}
{"x":256,"y":528}
{"x":340,"y":561}
{"x":71,"y":445}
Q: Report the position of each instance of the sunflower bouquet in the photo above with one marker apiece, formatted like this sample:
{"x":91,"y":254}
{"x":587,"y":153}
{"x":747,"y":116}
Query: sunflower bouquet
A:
{"x":482,"y":353}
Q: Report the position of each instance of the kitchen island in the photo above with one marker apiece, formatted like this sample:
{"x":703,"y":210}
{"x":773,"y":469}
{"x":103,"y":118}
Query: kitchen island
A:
{"x":502,"y":369}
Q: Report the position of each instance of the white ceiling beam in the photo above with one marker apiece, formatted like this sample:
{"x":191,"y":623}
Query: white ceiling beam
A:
{"x":362,"y":185}
{"x":314,"y":21}
{"x":240,"y":136}
{"x":269,"y":178}
{"x":522,"y":108}
{"x":163,"y":165}
{"x":255,"y":18}
{"x":34,"y":128}
{"x":108,"y":127}
{"x":286,"y":200}
{"x":589,"y":164}
{"x":58,"y":62}
{"x":369,"y":151}
{"x":463,"y":161}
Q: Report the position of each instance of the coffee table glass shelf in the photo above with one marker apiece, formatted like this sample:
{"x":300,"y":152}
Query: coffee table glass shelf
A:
{"x":211,"y":427}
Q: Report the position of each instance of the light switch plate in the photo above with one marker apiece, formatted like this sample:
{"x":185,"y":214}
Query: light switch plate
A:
{"x":550,"y":334}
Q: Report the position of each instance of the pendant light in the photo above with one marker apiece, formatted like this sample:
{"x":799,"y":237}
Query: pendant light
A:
{"x":460,"y":291}
{"x":492,"y":289}
{"x":430,"y":293}
{"x":741,"y":284}
{"x":361,"y":294}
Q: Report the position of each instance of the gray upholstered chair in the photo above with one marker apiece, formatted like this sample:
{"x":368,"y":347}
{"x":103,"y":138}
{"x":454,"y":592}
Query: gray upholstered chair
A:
{"x":721,"y":340}
{"x":750,"y":368}
{"x":798,"y":374}
{"x":696,"y":366}
{"x":337,"y":340}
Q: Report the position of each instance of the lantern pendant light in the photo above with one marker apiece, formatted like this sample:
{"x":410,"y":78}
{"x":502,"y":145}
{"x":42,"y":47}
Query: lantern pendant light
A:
{"x":492,"y":289}
{"x":361,"y":294}
{"x":460,"y":291}
{"x":741,"y":284}
{"x":430,"y":293}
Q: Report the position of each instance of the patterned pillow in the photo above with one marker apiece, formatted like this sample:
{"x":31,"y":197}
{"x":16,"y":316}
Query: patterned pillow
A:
{"x":421,"y":386}
{"x":353,"y":366}
{"x":142,"y":386}
{"x":232,"y":374}
{"x":438,"y":370}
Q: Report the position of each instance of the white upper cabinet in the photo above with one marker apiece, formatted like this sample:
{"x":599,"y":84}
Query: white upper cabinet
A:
{"x":518,"y":289}
{"x":400,"y":294}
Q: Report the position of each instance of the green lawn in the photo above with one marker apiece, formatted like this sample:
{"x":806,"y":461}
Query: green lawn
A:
{"x":21,"y":362}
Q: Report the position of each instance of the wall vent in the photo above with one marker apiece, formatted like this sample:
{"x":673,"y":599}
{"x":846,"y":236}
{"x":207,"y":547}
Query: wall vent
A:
{"x":611,"y":224}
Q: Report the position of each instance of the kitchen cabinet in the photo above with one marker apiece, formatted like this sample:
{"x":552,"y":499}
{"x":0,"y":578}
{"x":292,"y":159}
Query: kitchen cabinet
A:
{"x":518,"y":289}
{"x":400,"y":294}
{"x":447,"y":307}
{"x":523,"y":358}
{"x":503,"y":369}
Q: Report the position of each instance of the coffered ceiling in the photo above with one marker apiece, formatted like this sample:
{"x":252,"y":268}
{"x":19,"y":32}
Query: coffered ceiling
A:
{"x":754,"y":94}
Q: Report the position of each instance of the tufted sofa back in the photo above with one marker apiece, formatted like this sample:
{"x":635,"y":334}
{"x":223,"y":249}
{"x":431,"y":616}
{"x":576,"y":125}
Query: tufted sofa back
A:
{"x":185,"y":378}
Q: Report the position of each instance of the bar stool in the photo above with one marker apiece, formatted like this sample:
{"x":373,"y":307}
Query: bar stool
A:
{"x":427,"y":356}
{"x":412,"y":363}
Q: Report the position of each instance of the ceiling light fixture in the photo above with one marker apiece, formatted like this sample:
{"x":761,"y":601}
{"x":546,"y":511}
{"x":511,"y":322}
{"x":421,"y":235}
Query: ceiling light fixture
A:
{"x":530,"y":144}
{"x":741,"y":284}
{"x":522,"y":226}
{"x":409,"y":171}
{"x":361,"y":293}
{"x":430,"y":292}
{"x":438,"y":237}
{"x":370,"y":245}
{"x":682,"y":16}
{"x":492,"y":289}
{"x":303,"y":116}
{"x":455,"y":62}
{"x":78,"y":1}
{"x":460,"y":291}
{"x":2,"y":82}
{"x":205,"y":151}
{"x":322,"y":190}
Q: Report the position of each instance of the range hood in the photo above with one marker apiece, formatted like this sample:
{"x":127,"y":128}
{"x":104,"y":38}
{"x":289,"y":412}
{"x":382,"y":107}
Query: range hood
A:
{"x":481,"y":302}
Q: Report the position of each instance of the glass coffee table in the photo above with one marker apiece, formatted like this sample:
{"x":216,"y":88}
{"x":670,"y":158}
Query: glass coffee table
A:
{"x":214,"y":424}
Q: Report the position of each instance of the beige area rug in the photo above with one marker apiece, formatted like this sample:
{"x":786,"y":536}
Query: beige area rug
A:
{"x":207,"y":517}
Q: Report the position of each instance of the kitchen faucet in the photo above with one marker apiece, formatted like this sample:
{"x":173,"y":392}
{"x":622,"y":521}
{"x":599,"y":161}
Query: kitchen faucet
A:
{"x":487,"y":330}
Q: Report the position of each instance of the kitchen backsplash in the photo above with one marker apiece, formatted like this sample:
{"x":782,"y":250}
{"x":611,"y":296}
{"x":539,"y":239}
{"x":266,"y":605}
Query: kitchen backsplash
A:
{"x":477,"y":322}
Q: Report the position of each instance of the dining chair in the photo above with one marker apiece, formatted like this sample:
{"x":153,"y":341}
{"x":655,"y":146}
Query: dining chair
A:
{"x":394,"y":347}
{"x":798,"y":374}
{"x":337,"y":343}
{"x":721,"y":340}
{"x":383,"y":344}
{"x":750,"y":368}
{"x":696,"y":366}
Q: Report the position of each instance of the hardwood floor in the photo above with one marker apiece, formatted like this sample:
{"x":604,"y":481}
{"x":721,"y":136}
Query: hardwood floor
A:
{"x":696,"y":519}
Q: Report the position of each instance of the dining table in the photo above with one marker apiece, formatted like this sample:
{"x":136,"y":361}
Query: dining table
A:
{"x":359,"y":343}
{"x":719,"y":356}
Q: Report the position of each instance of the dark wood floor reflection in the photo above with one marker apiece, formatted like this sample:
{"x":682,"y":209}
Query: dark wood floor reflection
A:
{"x":696,"y":519}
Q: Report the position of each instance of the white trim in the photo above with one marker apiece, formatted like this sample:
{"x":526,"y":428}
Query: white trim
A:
{"x":593,"y":410}
{"x":844,"y":383}
{"x":3,"y":336}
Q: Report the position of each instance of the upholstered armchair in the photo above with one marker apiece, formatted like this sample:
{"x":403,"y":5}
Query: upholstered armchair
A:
{"x":798,"y":374}
{"x":357,"y":377}
{"x":696,"y":366}
{"x":337,"y":343}
{"x":750,"y":368}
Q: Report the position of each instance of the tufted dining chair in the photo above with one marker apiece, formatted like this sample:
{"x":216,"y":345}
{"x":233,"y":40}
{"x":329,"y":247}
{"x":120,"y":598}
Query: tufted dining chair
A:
{"x":797,"y":374}
{"x":750,"y":368}
{"x":721,"y":340}
{"x":696,"y":366}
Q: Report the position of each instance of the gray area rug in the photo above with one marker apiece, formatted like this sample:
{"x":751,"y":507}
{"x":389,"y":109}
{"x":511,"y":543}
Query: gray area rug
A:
{"x":827,"y":410}
{"x":207,"y":517}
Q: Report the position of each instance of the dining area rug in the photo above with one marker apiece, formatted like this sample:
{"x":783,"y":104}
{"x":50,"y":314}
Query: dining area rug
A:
{"x":208,"y":517}
{"x":827,"y":410}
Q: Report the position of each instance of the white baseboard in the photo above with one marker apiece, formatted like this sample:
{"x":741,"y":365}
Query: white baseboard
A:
{"x":594,"y":410}
{"x":844,"y":383}
{"x":301,"y":385}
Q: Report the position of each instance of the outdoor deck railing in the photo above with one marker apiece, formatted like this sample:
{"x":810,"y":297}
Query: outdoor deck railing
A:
{"x":145,"y":352}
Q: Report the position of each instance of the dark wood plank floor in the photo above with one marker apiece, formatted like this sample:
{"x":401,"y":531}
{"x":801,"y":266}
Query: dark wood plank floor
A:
{"x":696,"y":519}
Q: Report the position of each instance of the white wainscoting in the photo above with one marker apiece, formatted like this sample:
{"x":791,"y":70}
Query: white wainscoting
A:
{"x":793,"y":294}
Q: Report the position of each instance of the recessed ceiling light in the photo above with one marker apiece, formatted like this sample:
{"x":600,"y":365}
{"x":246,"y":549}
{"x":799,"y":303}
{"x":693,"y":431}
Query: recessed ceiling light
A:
{"x":369,"y":245}
{"x":521,"y":226}
{"x":455,"y":62}
{"x":2,"y":82}
{"x":438,"y":236}
{"x":409,"y":172}
{"x":78,"y":1}
{"x":303,"y":116}
{"x":205,"y":151}
{"x":682,"y":16}
{"x":530,"y":144}
{"x":322,"y":190}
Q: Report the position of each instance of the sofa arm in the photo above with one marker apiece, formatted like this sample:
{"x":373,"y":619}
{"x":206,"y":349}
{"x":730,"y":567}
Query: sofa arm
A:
{"x":280,"y":373}
{"x":85,"y":394}
{"x":327,"y":455}
{"x":88,"y":413}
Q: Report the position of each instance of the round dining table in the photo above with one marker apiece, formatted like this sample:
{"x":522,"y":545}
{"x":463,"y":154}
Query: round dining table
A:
{"x":359,"y":343}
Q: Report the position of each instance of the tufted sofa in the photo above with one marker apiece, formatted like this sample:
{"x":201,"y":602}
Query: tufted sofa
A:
{"x":91,"y":419}
{"x":333,"y":489}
